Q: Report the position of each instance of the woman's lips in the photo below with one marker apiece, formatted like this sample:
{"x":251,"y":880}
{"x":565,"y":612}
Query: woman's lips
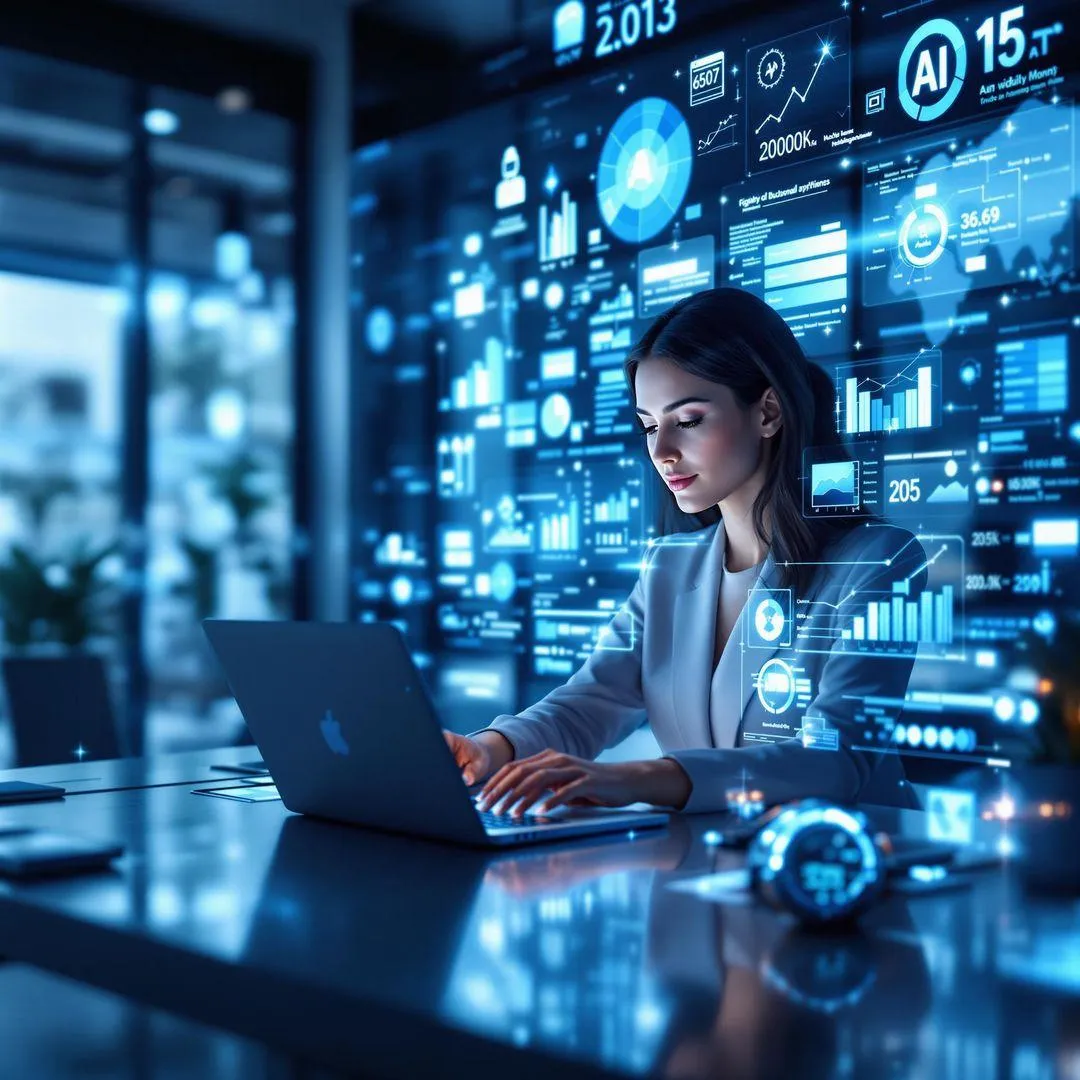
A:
{"x":677,"y":483}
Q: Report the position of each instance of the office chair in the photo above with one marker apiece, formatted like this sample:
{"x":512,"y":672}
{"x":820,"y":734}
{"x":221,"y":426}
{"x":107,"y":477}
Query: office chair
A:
{"x":60,"y":709}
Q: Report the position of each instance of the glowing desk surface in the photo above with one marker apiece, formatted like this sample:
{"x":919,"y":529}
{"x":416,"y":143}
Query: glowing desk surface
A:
{"x":358,"y":951}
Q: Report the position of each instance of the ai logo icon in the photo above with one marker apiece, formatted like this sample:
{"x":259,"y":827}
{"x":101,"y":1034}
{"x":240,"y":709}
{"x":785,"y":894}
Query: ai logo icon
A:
{"x":331,"y":732}
{"x":928,"y":87}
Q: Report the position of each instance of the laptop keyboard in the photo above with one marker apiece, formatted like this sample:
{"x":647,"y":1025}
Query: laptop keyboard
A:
{"x":490,"y":820}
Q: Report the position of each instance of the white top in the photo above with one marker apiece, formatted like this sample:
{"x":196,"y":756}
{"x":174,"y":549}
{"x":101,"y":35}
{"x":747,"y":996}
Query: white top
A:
{"x":735,"y":587}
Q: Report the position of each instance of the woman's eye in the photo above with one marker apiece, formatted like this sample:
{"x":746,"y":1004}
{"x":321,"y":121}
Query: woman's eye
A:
{"x":647,"y":431}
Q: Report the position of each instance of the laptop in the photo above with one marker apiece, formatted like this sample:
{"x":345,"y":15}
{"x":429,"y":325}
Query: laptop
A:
{"x":348,"y":730}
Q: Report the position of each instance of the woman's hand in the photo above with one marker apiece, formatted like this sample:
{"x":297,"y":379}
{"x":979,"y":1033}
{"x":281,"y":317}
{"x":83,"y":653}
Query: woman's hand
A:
{"x":479,"y":755}
{"x":573,"y":781}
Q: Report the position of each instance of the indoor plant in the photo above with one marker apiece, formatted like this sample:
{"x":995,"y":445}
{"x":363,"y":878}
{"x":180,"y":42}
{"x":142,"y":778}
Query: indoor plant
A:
{"x":52,"y":601}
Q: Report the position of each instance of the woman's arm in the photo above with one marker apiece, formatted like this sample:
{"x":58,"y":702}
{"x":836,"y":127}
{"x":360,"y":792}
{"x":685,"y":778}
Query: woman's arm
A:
{"x":598,"y":706}
{"x":788,"y":770}
{"x":500,"y":749}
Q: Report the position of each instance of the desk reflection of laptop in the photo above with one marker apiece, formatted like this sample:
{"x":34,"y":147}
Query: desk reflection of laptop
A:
{"x":346,"y":726}
{"x":369,"y":917}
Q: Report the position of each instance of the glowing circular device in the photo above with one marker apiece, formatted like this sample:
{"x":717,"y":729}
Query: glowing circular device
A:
{"x":817,"y":861}
{"x":644,"y":170}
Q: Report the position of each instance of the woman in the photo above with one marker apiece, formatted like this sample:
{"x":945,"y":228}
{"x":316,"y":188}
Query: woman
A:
{"x":761,"y":689}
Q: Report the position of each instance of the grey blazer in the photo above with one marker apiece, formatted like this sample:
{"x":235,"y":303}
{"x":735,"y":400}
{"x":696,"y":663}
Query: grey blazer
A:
{"x":654,"y":661}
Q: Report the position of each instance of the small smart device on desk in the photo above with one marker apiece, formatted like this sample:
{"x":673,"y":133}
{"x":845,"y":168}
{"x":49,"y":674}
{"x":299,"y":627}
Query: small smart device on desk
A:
{"x":826,"y":864}
{"x":818,"y":861}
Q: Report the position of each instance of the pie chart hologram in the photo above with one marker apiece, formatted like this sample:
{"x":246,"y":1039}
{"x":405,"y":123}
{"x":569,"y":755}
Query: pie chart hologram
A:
{"x":769,"y":620}
{"x":644,"y":170}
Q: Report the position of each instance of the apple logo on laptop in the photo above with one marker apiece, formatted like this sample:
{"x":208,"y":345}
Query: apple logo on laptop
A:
{"x":331,"y":732}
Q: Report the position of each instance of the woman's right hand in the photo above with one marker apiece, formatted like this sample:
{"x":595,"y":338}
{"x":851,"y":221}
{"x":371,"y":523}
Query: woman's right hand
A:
{"x":472,"y":757}
{"x":479,"y":756}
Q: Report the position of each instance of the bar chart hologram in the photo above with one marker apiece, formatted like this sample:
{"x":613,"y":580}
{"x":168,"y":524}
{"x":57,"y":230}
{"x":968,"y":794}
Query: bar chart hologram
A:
{"x":559,"y":230}
{"x":889,"y":395}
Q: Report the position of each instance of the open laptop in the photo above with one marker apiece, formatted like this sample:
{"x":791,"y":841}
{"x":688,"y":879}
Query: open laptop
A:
{"x":348,"y":731}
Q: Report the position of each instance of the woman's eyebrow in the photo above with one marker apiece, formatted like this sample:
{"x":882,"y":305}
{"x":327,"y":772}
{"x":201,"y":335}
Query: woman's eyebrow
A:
{"x":675,"y":404}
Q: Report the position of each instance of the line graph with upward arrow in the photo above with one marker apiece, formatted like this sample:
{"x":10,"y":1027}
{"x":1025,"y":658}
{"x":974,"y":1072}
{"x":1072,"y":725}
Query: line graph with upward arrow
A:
{"x":794,"y":92}
{"x":798,"y":91}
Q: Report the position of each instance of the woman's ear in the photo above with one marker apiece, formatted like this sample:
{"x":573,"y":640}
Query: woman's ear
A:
{"x":772,"y":418}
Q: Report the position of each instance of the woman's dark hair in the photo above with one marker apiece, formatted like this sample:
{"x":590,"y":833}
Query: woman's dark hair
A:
{"x":729,"y":336}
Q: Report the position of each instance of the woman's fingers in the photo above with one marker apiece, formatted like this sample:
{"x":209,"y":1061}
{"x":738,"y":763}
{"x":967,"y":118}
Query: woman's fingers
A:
{"x":523,"y":784}
{"x":528,"y":785}
{"x":501,"y":783}
{"x":509,"y":775}
{"x":531,"y":790}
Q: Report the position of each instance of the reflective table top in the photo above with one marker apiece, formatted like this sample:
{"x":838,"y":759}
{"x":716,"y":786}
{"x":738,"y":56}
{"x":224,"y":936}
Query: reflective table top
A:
{"x":336,"y":943}
{"x":114,"y":774}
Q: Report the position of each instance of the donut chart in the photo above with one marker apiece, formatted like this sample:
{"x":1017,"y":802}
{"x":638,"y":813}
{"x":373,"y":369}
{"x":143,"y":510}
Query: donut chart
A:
{"x":923,"y":235}
{"x":644,"y":170}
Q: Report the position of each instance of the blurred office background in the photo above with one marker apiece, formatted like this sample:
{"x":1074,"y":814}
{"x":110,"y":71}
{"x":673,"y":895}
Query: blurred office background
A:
{"x":160,"y":167}
{"x":174,"y":326}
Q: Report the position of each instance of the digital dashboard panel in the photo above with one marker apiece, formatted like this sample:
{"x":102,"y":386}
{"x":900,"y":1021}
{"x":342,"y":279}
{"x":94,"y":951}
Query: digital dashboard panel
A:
{"x":898,"y":181}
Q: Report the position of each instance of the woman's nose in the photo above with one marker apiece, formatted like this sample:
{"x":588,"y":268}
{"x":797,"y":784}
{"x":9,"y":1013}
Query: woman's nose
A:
{"x":664,"y":449}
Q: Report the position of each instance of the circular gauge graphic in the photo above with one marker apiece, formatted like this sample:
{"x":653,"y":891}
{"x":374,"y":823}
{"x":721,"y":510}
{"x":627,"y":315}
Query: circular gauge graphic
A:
{"x":644,"y":170}
{"x":965,"y":740}
{"x":923,"y":235}
{"x":769,"y":620}
{"x":776,"y":686}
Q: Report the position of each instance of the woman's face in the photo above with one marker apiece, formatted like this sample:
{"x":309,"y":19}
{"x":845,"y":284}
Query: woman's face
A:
{"x":703,"y":442}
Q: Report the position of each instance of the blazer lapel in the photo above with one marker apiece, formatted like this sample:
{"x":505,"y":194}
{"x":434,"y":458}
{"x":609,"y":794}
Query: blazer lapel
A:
{"x":694,"y":636}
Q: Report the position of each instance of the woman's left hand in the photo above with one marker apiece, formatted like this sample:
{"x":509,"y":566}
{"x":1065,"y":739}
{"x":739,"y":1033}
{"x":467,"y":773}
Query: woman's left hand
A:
{"x":574,"y":781}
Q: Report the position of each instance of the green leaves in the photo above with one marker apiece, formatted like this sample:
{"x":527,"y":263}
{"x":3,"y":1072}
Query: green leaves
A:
{"x":52,"y":600}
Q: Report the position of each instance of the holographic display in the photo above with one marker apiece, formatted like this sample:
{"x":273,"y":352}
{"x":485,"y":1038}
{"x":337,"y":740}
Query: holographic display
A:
{"x":899,"y":182}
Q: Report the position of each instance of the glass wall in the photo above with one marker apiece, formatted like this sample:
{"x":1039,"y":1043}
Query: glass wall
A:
{"x":64,"y":193}
{"x":221,"y":324}
{"x":221,"y":419}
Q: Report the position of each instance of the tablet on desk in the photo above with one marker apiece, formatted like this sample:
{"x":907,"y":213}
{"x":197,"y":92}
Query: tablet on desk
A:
{"x":39,"y":852}
{"x":12,"y":791}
